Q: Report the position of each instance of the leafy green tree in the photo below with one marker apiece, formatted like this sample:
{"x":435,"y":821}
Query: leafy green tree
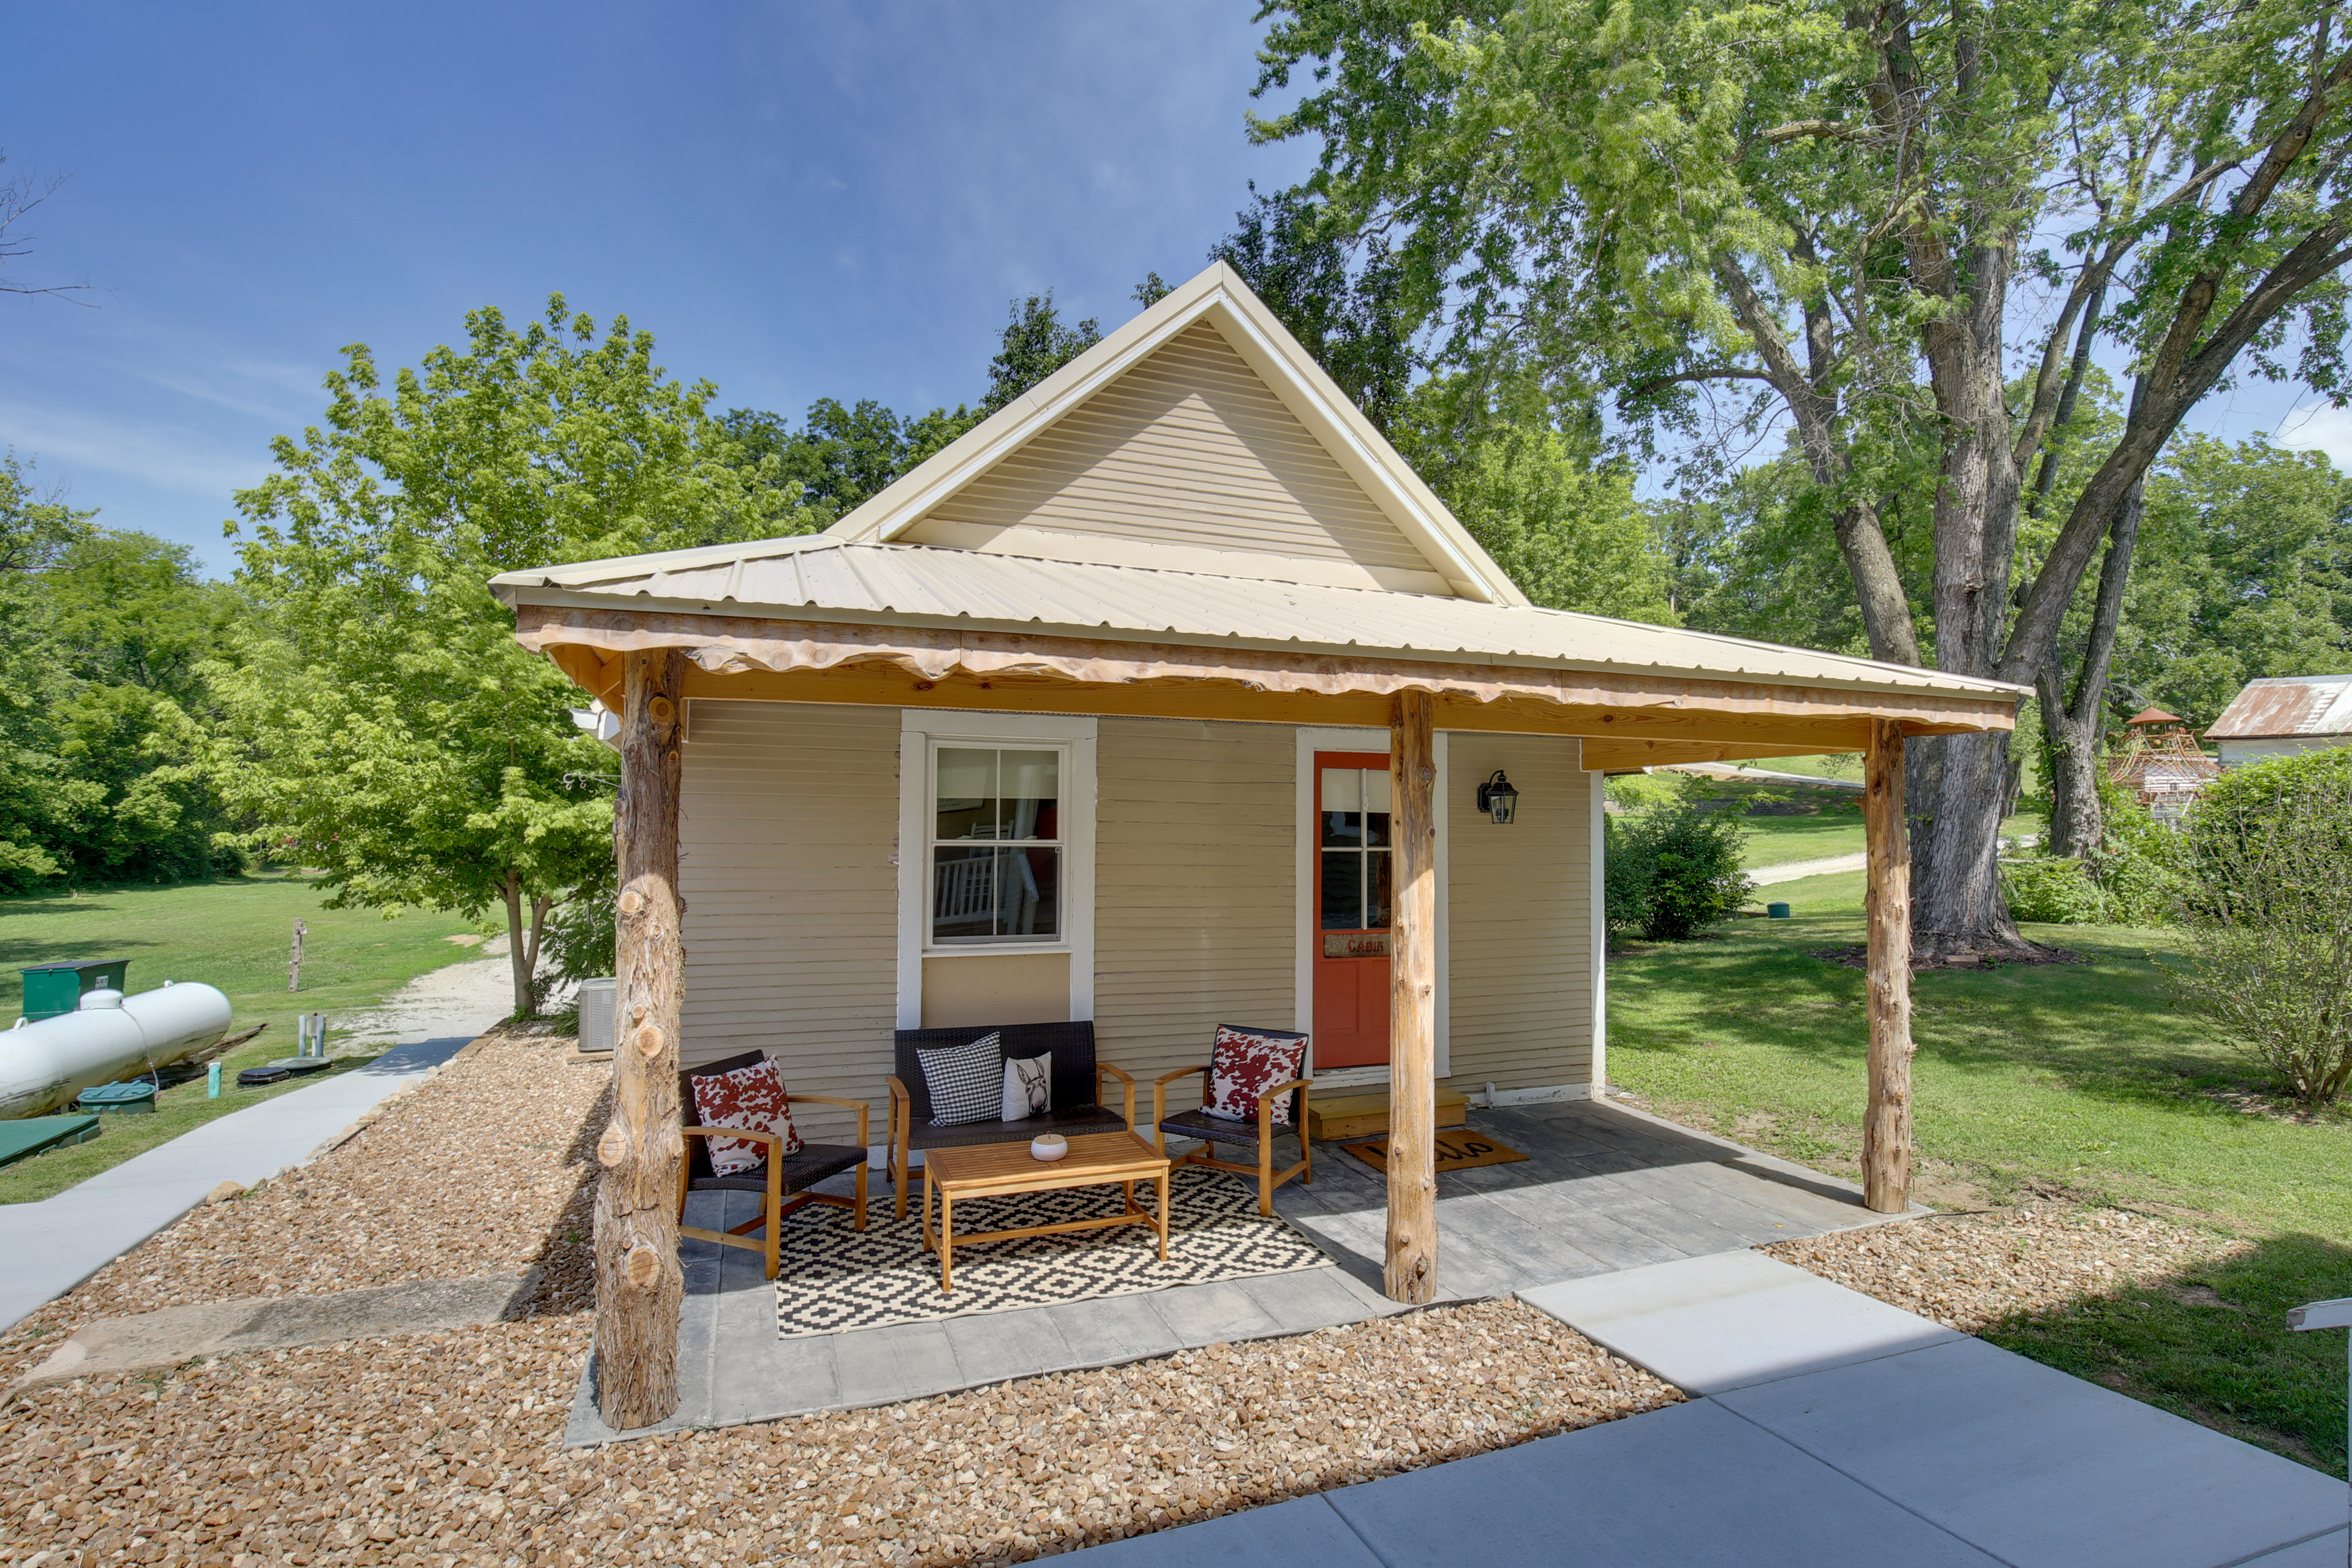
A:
{"x":128,"y":608}
{"x":1036,"y":344}
{"x":39,"y":798}
{"x":2245,"y":570}
{"x":1821,"y":212}
{"x":1344,"y":297}
{"x":378,"y":719}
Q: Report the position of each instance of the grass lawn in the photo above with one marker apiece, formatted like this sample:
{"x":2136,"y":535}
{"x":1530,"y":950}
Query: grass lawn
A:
{"x":2077,"y":1080}
{"x":233,"y":934}
{"x":1777,"y":840}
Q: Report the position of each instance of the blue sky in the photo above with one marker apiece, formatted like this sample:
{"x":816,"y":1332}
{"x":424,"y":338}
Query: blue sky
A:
{"x":804,"y":200}
{"x":799,"y":200}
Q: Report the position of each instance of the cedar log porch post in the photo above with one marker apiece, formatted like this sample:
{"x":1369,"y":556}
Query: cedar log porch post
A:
{"x":1887,"y":905}
{"x":638,"y":1282}
{"x":1412,"y":1271}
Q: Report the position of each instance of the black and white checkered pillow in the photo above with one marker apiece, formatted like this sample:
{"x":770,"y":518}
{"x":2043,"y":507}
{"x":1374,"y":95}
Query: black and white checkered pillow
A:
{"x":967,"y":1082}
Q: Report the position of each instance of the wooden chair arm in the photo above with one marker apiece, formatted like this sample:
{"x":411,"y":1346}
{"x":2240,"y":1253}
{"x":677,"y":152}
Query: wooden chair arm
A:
{"x":751,"y":1135}
{"x":1127,"y":1081}
{"x":1160,"y":1089}
{"x":897,"y":1090}
{"x":859,"y":1106}
{"x":1266,"y":1108}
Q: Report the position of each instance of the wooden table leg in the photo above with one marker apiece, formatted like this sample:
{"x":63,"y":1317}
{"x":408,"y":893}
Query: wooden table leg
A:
{"x":1129,"y":1188}
{"x":927,"y":1218}
{"x":1165,"y":1177}
{"x":947,"y":1243}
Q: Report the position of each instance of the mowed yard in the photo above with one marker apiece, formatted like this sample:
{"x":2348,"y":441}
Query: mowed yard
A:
{"x":234,"y":933}
{"x":2075,"y":1084}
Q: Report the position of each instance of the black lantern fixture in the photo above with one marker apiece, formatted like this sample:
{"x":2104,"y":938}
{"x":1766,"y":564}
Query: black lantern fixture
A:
{"x":1497,"y":799}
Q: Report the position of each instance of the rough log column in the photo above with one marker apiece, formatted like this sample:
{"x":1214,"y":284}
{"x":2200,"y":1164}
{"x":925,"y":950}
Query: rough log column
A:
{"x":1412,"y":1271}
{"x":1886,"y":1126}
{"x":638,"y":1285}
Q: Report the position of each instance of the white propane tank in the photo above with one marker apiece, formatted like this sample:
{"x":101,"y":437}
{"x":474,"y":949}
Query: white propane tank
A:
{"x":44,"y":1065}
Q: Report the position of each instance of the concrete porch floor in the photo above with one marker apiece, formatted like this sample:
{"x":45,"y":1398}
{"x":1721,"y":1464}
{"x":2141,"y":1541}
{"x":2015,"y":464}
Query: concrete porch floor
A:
{"x":1604,"y":1188}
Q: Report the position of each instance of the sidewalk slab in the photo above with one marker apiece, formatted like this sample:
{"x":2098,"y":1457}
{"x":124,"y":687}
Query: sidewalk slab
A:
{"x":1728,"y":1319}
{"x":2044,"y":1469}
{"x":55,"y":1244}
{"x":1691,"y":1486}
{"x":2320,"y":1552}
{"x":1305,"y":1533}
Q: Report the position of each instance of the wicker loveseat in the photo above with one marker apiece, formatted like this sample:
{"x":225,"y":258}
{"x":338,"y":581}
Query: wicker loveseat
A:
{"x":1078,"y":1105}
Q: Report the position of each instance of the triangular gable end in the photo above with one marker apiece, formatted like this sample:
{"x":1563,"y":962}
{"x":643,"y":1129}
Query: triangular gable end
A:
{"x":1200,"y":437}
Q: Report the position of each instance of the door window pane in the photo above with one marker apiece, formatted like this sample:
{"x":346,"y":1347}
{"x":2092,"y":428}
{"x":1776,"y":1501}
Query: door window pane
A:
{"x":1343,"y":890}
{"x":1376,"y":898}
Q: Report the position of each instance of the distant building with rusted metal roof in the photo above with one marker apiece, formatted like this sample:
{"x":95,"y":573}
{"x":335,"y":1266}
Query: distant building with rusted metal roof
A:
{"x":2284,"y":714}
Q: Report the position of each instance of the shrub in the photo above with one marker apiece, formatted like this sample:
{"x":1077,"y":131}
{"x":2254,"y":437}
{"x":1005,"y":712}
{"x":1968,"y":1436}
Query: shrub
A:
{"x":2054,"y":890}
{"x":2135,"y":877}
{"x":2269,"y":912}
{"x":1674,"y":869}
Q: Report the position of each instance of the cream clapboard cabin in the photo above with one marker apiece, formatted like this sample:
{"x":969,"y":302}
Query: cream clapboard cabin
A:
{"x":1105,"y":712}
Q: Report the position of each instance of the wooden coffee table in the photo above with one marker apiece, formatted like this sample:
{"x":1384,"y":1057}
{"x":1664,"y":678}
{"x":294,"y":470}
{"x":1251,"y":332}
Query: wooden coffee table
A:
{"x":994,"y":1169}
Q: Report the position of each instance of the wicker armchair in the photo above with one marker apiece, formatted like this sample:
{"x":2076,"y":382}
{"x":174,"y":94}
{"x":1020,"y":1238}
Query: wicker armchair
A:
{"x":783,"y":1183}
{"x":1259,"y":1135}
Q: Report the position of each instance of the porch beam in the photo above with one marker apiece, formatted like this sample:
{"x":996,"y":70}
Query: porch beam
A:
{"x":1410,"y":1274}
{"x":1886,"y":1124}
{"x":639,"y":1286}
{"x":1796,"y":732}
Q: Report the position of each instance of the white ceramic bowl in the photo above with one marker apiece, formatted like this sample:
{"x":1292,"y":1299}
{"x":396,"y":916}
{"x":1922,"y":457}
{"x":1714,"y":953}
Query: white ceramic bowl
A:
{"x":1049,"y":1146}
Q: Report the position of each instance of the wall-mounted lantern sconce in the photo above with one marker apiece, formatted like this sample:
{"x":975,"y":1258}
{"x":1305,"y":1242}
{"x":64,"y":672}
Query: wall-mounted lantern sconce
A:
{"x":1499,"y":799}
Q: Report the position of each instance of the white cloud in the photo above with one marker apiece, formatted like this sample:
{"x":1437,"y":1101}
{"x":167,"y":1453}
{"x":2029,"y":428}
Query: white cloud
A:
{"x":2320,"y":428}
{"x":168,"y":457}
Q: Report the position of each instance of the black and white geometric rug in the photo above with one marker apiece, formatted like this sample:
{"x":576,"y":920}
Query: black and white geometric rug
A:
{"x":831,"y":1278}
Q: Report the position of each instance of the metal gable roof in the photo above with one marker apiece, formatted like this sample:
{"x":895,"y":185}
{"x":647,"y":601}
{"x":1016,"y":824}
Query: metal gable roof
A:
{"x":2282,"y":706}
{"x":824,"y":577}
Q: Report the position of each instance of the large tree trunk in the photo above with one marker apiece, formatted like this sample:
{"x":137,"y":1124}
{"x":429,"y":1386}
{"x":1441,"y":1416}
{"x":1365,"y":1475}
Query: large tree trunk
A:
{"x":2074,"y":729}
{"x":638,"y":1283}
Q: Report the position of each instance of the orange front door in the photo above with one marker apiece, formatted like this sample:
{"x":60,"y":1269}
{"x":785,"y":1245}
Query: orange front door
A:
{"x":1352,"y":908}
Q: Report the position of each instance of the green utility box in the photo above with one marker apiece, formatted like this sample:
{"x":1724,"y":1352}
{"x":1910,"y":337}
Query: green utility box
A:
{"x":54,"y":989}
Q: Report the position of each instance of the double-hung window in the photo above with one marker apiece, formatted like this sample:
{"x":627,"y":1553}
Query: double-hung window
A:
{"x":997,"y":849}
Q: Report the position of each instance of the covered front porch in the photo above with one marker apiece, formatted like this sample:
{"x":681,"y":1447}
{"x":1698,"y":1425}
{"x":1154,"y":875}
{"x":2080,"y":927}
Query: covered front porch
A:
{"x":1604,"y":1187}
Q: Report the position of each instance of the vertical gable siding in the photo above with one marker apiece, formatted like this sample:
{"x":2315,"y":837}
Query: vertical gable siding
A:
{"x":788,"y":816}
{"x":1189,"y":447}
{"x":1519,"y":915}
{"x":1194,"y":903}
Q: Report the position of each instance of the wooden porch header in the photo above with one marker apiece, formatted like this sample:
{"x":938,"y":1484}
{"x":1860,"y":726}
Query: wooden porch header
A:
{"x":1627,"y":719}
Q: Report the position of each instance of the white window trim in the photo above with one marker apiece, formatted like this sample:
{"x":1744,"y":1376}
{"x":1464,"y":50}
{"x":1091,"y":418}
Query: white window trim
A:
{"x":920,"y":731}
{"x":1311,"y":741}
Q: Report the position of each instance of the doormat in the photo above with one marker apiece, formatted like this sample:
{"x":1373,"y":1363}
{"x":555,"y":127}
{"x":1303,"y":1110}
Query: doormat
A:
{"x":830,"y":1278}
{"x":1458,"y":1149}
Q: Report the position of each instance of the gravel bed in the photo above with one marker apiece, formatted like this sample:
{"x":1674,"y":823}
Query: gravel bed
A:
{"x":481,"y":1168}
{"x":1969,"y":1271}
{"x":443,"y":1447}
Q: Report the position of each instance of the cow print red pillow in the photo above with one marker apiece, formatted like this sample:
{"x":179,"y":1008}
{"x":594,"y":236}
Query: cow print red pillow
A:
{"x":1244,"y":1065}
{"x":749,"y":1096}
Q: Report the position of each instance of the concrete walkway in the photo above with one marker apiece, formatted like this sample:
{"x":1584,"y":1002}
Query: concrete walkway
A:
{"x":1831,"y":1430}
{"x":55,"y":1244}
{"x":1798,"y":871}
